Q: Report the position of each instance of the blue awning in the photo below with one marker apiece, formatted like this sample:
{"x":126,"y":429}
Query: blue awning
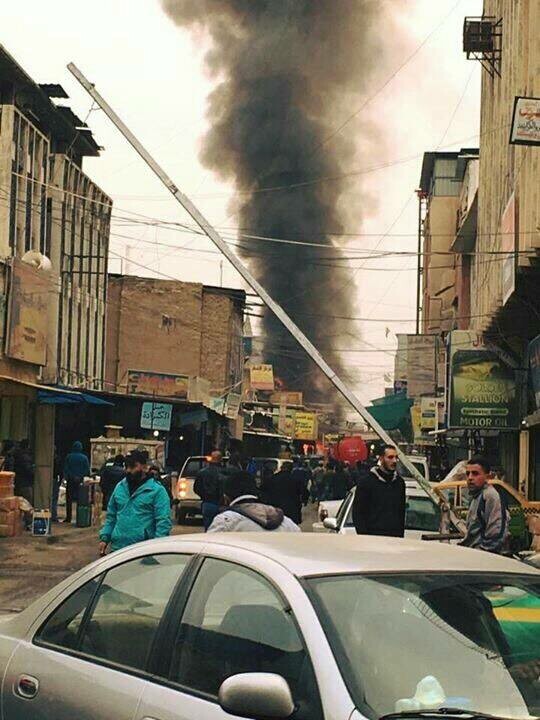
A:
{"x":71,"y":397}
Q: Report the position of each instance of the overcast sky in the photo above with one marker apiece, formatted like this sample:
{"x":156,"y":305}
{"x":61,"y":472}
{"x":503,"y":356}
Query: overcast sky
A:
{"x":153,"y":74}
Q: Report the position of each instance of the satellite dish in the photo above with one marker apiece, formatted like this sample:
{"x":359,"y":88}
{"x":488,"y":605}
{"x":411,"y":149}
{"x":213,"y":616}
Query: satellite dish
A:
{"x":37,"y":260}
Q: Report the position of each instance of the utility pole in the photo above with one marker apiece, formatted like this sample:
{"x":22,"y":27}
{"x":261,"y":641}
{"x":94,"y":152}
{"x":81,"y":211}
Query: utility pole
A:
{"x":278,"y":311}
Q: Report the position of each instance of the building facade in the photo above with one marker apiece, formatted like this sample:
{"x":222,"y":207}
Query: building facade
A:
{"x":54,"y":230}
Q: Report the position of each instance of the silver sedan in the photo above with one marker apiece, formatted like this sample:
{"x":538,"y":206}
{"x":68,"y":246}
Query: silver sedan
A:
{"x":311,"y":627}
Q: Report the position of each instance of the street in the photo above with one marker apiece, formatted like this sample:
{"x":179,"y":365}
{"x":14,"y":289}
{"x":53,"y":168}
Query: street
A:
{"x":29,"y":566}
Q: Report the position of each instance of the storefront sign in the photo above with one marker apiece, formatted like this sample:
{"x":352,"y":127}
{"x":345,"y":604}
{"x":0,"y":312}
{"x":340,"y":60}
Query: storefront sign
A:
{"x":421,"y":365}
{"x":508,"y":245}
{"x":160,"y":384}
{"x":482,"y":388}
{"x":156,"y":416}
{"x":428,"y":413}
{"x":217,"y":404}
{"x":421,"y":436}
{"x":261,"y":377}
{"x":232,"y":405}
{"x":286,"y":398}
{"x":534,"y":366}
{"x":199,"y":391}
{"x":28,"y":313}
{"x":526,"y":121}
{"x":305,"y":426}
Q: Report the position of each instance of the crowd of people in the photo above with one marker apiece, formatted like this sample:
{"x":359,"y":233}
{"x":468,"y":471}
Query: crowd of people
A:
{"x":138,"y":504}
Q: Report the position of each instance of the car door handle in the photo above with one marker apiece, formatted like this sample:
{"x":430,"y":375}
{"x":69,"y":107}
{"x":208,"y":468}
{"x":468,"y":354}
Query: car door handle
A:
{"x":27,"y":687}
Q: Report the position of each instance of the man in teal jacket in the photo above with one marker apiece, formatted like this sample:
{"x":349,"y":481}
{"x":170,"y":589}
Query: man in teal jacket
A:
{"x":139,"y":508}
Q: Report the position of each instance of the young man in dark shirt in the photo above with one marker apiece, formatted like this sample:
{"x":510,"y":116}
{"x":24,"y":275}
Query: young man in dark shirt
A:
{"x":379,"y":501}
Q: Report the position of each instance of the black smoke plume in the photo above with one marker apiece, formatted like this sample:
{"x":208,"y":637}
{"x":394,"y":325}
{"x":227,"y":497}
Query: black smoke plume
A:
{"x":288,"y":73}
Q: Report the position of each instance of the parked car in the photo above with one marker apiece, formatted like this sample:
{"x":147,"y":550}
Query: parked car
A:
{"x":281,"y":626}
{"x":185,"y":499}
{"x":330,"y":508}
{"x":422,"y":515}
{"x":524,"y":513}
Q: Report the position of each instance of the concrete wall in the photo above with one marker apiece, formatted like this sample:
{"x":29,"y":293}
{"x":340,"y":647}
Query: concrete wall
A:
{"x":506,"y":168}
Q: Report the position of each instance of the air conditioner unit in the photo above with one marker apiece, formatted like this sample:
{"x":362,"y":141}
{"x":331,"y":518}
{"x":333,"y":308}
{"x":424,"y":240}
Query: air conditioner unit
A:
{"x":479,"y":35}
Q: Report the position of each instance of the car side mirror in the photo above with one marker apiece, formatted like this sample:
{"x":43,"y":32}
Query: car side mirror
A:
{"x":257,"y":696}
{"x":330,"y":523}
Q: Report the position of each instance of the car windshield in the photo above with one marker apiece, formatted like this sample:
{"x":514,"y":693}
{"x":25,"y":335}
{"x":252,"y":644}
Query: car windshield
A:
{"x":405,"y":472}
{"x":415,"y":641}
{"x":422,"y":514}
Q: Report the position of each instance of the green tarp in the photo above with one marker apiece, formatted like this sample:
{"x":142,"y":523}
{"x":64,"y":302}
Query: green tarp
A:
{"x":392,"y":411}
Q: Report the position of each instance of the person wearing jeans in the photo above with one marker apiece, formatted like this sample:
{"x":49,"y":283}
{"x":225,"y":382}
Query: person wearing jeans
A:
{"x":76,"y":468}
{"x":209,"y":487}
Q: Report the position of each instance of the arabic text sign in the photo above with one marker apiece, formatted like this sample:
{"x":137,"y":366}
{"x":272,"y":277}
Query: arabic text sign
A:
{"x":526,"y":121}
{"x":421,"y":365}
{"x":305,"y":426}
{"x":261,"y":377}
{"x":156,"y":416}
{"x":232,"y":406}
{"x":153,"y":383}
{"x":483,"y":390}
{"x":508,"y":243}
{"x":428,"y":413}
{"x":28,"y":313}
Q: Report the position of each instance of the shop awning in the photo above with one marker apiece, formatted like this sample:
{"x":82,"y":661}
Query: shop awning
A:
{"x":392,"y":411}
{"x":68,"y":397}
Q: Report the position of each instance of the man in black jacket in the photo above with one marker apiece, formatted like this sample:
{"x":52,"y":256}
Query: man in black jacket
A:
{"x":379,"y":501}
{"x":209,"y":487}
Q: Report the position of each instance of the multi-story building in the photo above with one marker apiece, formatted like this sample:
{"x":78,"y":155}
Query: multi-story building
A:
{"x":505,"y":278}
{"x":180,"y":342}
{"x":448,"y":186}
{"x":54,"y":229}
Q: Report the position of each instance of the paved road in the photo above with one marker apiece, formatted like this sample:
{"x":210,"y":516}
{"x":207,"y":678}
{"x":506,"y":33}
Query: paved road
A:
{"x":30,"y":566}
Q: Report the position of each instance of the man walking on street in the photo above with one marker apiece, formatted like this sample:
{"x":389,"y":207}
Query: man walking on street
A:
{"x":76,"y":468}
{"x":138,"y":509}
{"x":285,"y":491}
{"x":379,"y":501}
{"x":208,"y":486}
{"x":487,"y":518}
{"x":245,"y":512}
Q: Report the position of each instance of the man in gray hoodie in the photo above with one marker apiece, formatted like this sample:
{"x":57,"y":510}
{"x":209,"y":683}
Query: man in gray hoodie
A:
{"x":487,"y":518}
{"x":245,"y":512}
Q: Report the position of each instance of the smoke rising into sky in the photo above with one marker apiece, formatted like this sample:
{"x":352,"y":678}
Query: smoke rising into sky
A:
{"x":288,"y":72}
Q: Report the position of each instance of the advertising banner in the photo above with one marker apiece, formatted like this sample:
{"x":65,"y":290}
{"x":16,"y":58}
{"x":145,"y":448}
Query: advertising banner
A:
{"x":287,"y":398}
{"x":153,"y":383}
{"x":421,"y":365}
{"x":28,"y":313}
{"x":261,"y":377}
{"x":526,"y":121}
{"x":508,"y":244}
{"x":534,"y":367}
{"x":232,"y":405}
{"x":305,"y":426}
{"x":428,"y":413}
{"x":217,"y":404}
{"x":199,"y":390}
{"x":156,"y":416}
{"x":482,"y":388}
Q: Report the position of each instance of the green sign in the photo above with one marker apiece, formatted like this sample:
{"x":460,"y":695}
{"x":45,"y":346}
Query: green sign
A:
{"x":483,"y":391}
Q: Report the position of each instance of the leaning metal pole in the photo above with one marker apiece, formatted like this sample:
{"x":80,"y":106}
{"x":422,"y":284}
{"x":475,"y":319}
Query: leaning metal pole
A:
{"x":278,"y":311}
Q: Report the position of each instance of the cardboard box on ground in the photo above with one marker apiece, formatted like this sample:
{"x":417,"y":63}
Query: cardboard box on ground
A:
{"x":12,"y":508}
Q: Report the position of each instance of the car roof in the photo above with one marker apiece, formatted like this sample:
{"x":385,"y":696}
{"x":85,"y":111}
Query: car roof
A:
{"x":305,"y":554}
